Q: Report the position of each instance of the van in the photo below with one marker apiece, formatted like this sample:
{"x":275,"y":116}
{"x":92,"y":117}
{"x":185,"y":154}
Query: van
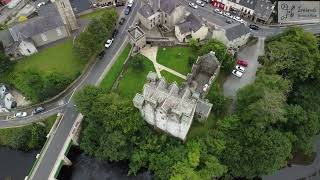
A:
{"x":130,"y":3}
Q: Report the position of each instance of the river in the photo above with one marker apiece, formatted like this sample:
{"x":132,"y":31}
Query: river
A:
{"x":15,"y":165}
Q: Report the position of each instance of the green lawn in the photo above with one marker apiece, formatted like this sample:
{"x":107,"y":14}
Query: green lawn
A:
{"x":133,"y":81}
{"x":115,"y":70}
{"x":171,"y":77}
{"x":95,"y":14}
{"x":175,"y":58}
{"x":59,"y":58}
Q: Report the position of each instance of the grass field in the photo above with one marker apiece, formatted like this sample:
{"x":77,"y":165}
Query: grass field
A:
{"x":95,"y":14}
{"x":59,"y":58}
{"x":133,"y":81}
{"x":175,"y":58}
{"x":115,"y":70}
{"x":171,"y":77}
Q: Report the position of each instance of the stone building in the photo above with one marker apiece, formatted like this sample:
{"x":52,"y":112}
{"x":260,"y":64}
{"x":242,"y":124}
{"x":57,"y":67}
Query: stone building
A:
{"x":203,"y":73}
{"x":170,"y":108}
{"x":137,"y":38}
{"x":6,"y":99}
{"x":166,"y":13}
{"x":66,"y":12}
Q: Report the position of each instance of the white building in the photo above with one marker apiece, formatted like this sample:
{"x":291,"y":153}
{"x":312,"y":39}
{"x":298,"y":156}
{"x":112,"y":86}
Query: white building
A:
{"x":233,"y":35}
{"x":168,"y":107}
{"x":191,"y":28}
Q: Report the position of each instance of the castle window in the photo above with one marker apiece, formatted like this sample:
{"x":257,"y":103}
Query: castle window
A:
{"x":44,"y":37}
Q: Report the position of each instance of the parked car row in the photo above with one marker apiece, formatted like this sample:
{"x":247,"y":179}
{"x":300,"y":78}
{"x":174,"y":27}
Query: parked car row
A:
{"x":229,"y":15}
{"x":240,"y":69}
{"x":37,"y":110}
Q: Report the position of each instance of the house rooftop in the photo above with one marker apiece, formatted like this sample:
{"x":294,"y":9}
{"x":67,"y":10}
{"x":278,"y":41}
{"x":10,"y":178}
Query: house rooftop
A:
{"x":251,"y":4}
{"x":234,"y":31}
{"x":146,"y":11}
{"x":264,"y":9}
{"x":136,"y":33}
{"x":191,"y":23}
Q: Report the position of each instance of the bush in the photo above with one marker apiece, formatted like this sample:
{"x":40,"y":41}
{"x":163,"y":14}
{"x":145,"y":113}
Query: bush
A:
{"x":137,"y":63}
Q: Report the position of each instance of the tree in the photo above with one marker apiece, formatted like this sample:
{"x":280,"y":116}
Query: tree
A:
{"x":53,"y":84}
{"x":218,"y":100}
{"x":5,"y":64}
{"x":137,"y":63}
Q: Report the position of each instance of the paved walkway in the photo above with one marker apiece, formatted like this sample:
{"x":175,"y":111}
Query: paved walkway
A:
{"x":151,"y":54}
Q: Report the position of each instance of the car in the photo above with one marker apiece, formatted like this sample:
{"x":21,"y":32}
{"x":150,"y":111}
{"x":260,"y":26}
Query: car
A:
{"x":228,"y":15}
{"x":200,"y":3}
{"x":254,"y":27}
{"x":205,"y":87}
{"x":108,"y":43}
{"x":242,"y":63}
{"x":21,"y":114}
{"x":193,"y":5}
{"x":229,"y":21}
{"x":240,"y":68}
{"x":127,"y":10}
{"x":101,"y":54}
{"x":122,"y":20}
{"x":218,"y":11}
{"x":38,"y":110}
{"x":237,"y":73}
{"x":114,"y":33}
{"x":237,"y":18}
{"x":41,"y":4}
{"x":206,"y":1}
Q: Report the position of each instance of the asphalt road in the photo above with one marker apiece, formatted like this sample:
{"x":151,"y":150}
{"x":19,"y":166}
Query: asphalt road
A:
{"x":50,"y":156}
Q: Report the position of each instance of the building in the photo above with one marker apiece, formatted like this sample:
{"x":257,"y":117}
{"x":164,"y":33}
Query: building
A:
{"x":137,"y":38}
{"x":203,"y":73}
{"x":23,"y":39}
{"x":191,"y":28}
{"x":232,"y":35}
{"x":170,"y":108}
{"x":6,"y":99}
{"x":66,"y":12}
{"x":161,"y":12}
{"x":256,"y":10}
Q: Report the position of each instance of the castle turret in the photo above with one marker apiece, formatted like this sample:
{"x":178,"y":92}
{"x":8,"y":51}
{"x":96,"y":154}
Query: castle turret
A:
{"x":66,"y":12}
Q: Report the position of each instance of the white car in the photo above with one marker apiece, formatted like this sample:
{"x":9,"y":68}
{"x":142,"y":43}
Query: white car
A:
{"x":205,"y":87}
{"x":228,"y":15}
{"x":21,"y":114}
{"x":237,"y":73}
{"x":218,"y":11}
{"x":240,"y":68}
{"x":193,"y":5}
{"x":108,"y":43}
{"x":200,"y":3}
{"x":41,"y":4}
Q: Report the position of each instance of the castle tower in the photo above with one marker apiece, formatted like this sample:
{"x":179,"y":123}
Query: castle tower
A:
{"x":66,"y":12}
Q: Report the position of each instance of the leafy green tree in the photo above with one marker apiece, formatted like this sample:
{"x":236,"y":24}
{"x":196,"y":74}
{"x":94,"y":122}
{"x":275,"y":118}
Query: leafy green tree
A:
{"x":53,"y":84}
{"x":5,"y":64}
{"x":218,"y":100}
{"x":38,"y":136}
{"x":137,"y":63}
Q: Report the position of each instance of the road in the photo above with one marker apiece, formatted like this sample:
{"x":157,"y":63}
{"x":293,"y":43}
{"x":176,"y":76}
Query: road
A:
{"x":50,"y":155}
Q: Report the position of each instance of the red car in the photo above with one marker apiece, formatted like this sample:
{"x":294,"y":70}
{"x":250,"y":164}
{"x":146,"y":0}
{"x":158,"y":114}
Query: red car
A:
{"x":242,"y":62}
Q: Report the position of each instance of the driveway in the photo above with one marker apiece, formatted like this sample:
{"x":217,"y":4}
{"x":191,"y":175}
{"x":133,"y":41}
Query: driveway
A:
{"x":250,"y":54}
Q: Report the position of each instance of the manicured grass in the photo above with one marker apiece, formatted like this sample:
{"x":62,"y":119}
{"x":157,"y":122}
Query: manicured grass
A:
{"x":171,"y":77}
{"x":95,"y":14}
{"x":115,"y":70}
{"x":132,"y":81}
{"x":175,"y":58}
{"x":59,"y":58}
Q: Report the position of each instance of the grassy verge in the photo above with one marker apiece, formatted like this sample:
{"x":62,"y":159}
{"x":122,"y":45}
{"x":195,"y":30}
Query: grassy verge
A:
{"x":115,"y":70}
{"x":171,"y":77}
{"x":28,"y":137}
{"x":132,"y":81}
{"x":175,"y":58}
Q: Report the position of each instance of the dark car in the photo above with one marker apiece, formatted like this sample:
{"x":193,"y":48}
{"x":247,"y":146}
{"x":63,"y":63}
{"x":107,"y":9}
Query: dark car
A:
{"x":254,"y":27}
{"x":114,"y":34}
{"x":122,"y":20}
{"x":38,"y":110}
{"x":228,"y":21}
{"x":127,"y":10}
{"x":101,"y":54}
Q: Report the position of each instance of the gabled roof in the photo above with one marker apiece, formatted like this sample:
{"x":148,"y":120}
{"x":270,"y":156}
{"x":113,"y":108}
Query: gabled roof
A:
{"x":35,"y":26}
{"x":146,"y":11}
{"x":191,"y":23}
{"x":234,"y":31}
{"x":136,"y":33}
{"x":168,"y":5}
{"x":251,"y":4}
{"x":263,"y":9}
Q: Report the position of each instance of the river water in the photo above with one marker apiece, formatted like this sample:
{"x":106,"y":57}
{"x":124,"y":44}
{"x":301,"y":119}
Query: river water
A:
{"x":15,"y":165}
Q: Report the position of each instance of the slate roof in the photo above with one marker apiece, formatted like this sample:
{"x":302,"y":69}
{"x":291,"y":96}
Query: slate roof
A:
{"x":234,"y":31}
{"x":35,"y":26}
{"x":136,"y":33}
{"x":167,"y":6}
{"x":5,"y":38}
{"x":251,"y":4}
{"x":264,"y":9}
{"x":191,"y":23}
{"x":146,"y":11}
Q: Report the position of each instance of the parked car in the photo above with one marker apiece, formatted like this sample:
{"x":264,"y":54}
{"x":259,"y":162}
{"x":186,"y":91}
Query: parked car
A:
{"x":228,"y":21}
{"x":254,"y":27}
{"x":21,"y":114}
{"x":101,"y":54}
{"x":237,"y":73}
{"x":127,"y":10}
{"x":114,"y":33}
{"x":242,"y":62}
{"x":218,"y":11}
{"x":41,"y":4}
{"x":228,"y":15}
{"x":240,"y":68}
{"x":200,"y":3}
{"x":122,"y":20}
{"x":109,"y":43}
{"x":206,"y":1}
{"x":193,"y":5}
{"x":38,"y":110}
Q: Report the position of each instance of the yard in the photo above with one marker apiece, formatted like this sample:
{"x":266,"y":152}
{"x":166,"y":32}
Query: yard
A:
{"x":132,"y":81}
{"x":171,"y":77}
{"x":115,"y":70}
{"x":175,"y":58}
